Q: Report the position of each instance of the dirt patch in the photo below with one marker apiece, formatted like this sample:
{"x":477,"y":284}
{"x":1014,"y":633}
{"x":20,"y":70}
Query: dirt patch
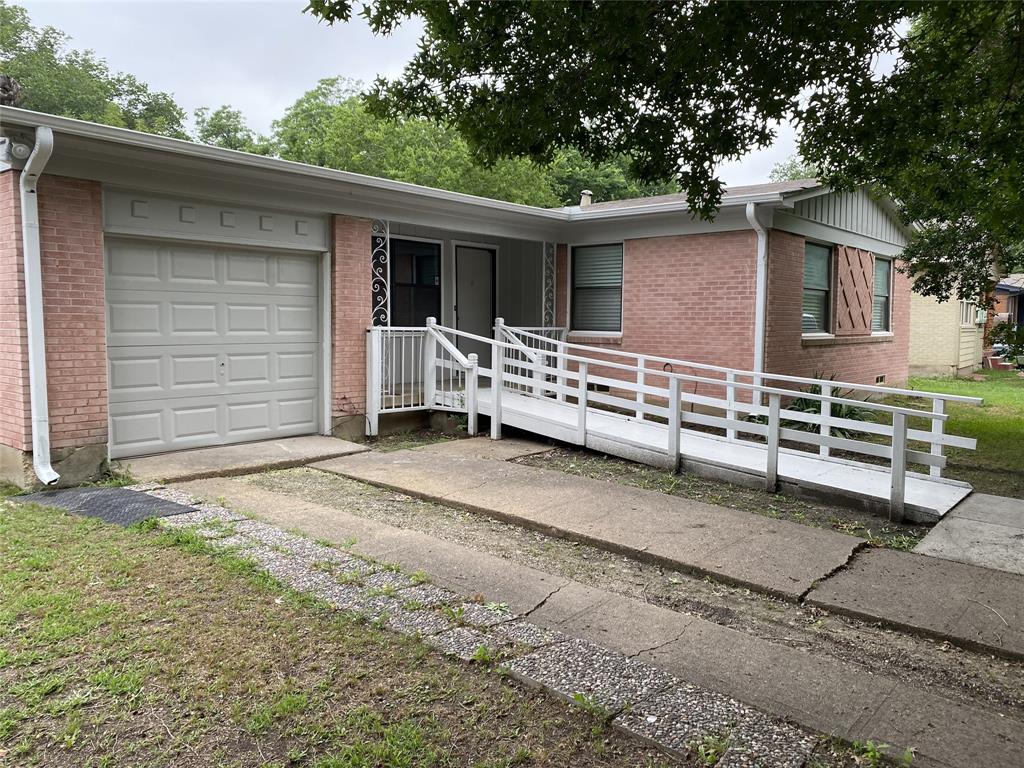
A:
{"x":777,"y":506}
{"x":957,"y":673}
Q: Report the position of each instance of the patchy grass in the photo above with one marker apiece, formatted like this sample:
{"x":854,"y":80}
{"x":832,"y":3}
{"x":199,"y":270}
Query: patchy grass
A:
{"x":413,"y":439}
{"x":141,"y":647}
{"x":997,"y":466}
{"x":584,"y":463}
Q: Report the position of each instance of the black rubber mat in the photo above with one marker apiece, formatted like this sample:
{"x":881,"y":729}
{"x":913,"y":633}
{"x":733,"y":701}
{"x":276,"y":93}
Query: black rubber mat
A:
{"x":115,"y":505}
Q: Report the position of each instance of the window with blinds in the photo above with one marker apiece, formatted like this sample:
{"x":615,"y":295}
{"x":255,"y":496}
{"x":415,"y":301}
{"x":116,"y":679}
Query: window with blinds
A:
{"x":597,"y":288}
{"x":880,"y":303}
{"x":817,"y":288}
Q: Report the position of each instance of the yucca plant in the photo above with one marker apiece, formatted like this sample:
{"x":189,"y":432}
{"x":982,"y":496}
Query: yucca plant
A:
{"x":839,"y":410}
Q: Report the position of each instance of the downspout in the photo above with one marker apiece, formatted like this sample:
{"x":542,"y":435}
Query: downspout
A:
{"x":760,"y":289}
{"x":34,"y":306}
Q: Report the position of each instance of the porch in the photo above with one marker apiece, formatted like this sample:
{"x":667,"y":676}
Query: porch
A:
{"x":718,"y":421}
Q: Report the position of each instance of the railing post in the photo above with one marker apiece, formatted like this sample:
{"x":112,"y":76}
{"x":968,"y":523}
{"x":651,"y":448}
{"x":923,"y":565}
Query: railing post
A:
{"x":471,"y":387}
{"x":538,"y":376}
{"x":561,"y":366}
{"x":938,"y":427}
{"x":826,"y":417}
{"x":373,"y":370}
{"x":581,"y":405}
{"x":429,"y":364}
{"x":898,"y":468}
{"x":730,"y":402}
{"x":641,"y":378}
{"x":771,"y":475}
{"x":675,"y":421}
{"x":497,"y":378}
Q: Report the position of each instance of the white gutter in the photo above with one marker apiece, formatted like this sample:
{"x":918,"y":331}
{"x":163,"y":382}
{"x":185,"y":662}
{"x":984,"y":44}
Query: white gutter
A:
{"x":34,"y":305}
{"x":760,"y":288}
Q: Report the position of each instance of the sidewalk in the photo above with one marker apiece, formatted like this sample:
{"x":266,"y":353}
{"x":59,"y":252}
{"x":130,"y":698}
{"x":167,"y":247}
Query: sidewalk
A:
{"x":821,"y":694}
{"x":973,"y":607}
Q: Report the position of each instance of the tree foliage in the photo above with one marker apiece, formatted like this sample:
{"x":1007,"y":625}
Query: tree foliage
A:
{"x":679,"y":87}
{"x":226,"y":127}
{"x":63,"y":81}
{"x":332,"y":127}
{"x":793,"y":168}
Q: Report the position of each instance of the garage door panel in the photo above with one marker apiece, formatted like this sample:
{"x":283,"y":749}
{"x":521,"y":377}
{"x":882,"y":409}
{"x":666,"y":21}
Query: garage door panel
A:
{"x":133,"y":319}
{"x":147,"y":373}
{"x":140,"y":428}
{"x":209,"y":345}
{"x":157,"y":266}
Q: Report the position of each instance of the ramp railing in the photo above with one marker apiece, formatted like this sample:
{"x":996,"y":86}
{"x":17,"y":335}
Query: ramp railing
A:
{"x":734,"y":404}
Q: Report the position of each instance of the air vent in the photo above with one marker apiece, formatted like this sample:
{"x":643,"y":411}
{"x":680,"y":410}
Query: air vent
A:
{"x":880,"y":379}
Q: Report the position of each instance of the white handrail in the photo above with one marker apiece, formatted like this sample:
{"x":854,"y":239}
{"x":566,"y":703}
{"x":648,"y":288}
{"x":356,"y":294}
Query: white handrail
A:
{"x":874,"y":389}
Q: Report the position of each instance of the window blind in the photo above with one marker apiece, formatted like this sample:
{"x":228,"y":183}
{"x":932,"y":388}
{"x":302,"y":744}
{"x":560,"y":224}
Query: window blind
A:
{"x":597,"y":288}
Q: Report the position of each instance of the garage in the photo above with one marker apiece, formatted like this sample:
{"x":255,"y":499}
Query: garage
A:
{"x":210,"y":343}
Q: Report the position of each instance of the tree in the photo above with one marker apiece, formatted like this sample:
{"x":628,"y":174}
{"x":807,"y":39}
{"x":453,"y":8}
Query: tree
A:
{"x":330,"y":126}
{"x":793,"y":168}
{"x":77,"y":84}
{"x":679,"y":87}
{"x":571,"y":173}
{"x":226,"y":127}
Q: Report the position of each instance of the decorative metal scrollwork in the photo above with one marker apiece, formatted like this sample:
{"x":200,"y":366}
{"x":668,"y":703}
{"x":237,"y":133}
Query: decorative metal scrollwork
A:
{"x":380,"y":259}
{"x":549,"y":286}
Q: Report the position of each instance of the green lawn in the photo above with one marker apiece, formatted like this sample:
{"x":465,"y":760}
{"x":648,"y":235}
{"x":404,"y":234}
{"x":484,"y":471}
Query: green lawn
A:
{"x":997,"y":466}
{"x":141,"y":648}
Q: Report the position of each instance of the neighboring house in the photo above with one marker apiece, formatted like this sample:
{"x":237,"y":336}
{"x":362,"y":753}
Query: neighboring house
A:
{"x":194,"y":296}
{"x":946,"y":338}
{"x":1009,"y":299}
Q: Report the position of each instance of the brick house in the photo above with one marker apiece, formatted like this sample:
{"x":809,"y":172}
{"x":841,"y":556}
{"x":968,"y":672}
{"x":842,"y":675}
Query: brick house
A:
{"x":183,"y":295}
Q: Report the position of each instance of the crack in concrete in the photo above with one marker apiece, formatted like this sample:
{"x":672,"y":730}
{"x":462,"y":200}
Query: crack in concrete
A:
{"x":551,"y":594}
{"x":659,"y":646}
{"x":802,"y":597}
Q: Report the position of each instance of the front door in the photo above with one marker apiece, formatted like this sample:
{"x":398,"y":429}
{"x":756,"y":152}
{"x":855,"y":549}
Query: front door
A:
{"x":474,"y":298}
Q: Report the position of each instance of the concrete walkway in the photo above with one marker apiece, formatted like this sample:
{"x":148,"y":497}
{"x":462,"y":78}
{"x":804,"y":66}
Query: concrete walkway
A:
{"x":237,"y":459}
{"x":982,"y":530}
{"x":970,"y":606}
{"x":775,"y":556}
{"x":615,"y":642}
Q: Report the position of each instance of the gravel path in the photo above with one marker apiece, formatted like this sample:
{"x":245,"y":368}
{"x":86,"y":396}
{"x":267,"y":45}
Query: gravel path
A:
{"x":636,"y":697}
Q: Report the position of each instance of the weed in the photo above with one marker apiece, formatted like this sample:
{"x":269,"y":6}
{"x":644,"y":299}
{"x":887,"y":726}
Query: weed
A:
{"x":591,"y":706}
{"x":709,"y":749}
{"x":483,"y":655}
{"x":419,"y":577}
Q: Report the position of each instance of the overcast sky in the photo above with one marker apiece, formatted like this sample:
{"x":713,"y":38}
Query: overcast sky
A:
{"x":258,"y":57}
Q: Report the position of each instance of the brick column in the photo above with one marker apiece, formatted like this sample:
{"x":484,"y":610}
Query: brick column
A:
{"x":351,"y":308}
{"x":71,"y":235}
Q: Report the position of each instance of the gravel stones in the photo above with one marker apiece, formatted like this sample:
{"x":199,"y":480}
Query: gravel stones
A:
{"x":576,"y":668}
{"x":464,"y":643}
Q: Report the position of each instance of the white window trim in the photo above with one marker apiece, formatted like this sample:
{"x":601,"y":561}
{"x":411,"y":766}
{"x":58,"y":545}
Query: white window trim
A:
{"x":580,"y":333}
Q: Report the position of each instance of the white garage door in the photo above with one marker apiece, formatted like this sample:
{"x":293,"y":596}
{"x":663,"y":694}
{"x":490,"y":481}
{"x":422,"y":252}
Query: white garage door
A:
{"x":209,"y":345}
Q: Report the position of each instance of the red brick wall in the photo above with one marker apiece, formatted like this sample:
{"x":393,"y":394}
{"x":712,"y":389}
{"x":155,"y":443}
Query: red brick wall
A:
{"x":857,"y":359}
{"x":15,"y":419}
{"x":71,"y":230}
{"x":71,"y":234}
{"x":350,"y":315}
{"x":686,"y":296}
